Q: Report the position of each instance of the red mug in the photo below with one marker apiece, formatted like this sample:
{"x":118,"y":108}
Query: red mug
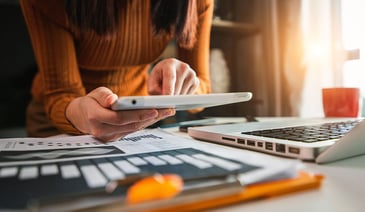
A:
{"x":341,"y":102}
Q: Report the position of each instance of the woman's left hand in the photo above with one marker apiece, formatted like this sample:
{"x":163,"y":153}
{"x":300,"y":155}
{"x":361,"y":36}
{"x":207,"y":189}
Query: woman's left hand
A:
{"x":172,"y":77}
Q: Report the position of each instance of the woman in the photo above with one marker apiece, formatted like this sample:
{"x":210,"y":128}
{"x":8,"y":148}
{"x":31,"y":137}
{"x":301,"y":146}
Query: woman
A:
{"x":89,"y":52}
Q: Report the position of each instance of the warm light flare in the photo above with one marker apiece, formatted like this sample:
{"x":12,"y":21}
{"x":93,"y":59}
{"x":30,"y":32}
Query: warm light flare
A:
{"x":316,"y":51}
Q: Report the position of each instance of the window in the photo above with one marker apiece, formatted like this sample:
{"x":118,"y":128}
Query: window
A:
{"x":334,"y":54}
{"x":353,"y":33}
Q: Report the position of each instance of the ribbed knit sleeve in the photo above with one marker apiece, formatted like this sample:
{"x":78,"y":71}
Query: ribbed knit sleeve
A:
{"x":54,"y":51}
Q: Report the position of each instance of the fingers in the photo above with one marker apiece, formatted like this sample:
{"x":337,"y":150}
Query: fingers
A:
{"x":172,"y":77}
{"x":107,"y":132}
{"x":162,"y":78}
{"x":189,"y":85}
{"x":168,"y":80}
{"x":91,"y":114}
{"x":122,"y":118}
{"x":110,"y":132}
{"x":193,"y":88}
{"x":104,"y":96}
{"x":184,"y":74}
{"x":127,"y":116}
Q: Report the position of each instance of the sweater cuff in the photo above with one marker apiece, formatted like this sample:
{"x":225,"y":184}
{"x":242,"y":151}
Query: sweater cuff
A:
{"x":59,"y":119}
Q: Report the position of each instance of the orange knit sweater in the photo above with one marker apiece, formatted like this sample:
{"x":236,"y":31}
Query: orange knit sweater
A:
{"x":70,"y":65}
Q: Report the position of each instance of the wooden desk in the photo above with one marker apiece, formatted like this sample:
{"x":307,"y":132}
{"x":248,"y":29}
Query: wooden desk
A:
{"x":343,"y":189}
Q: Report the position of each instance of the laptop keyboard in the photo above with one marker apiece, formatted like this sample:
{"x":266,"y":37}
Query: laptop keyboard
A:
{"x":308,"y":134}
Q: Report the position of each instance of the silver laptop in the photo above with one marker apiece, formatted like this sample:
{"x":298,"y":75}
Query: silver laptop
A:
{"x":321,"y":140}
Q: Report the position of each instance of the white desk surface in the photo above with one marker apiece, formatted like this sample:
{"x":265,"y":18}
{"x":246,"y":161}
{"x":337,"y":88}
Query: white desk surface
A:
{"x":343,"y":190}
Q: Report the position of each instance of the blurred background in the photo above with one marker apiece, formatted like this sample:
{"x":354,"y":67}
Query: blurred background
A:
{"x":284,"y":51}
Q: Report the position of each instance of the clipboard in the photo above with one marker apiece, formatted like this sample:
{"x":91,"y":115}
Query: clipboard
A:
{"x":304,"y":181}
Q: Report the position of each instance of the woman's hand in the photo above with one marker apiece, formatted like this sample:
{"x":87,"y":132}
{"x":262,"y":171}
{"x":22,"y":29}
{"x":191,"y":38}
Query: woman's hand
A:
{"x":172,"y":77}
{"x":91,"y":114}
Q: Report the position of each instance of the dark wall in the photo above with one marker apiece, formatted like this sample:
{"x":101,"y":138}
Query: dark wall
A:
{"x":17,"y":66}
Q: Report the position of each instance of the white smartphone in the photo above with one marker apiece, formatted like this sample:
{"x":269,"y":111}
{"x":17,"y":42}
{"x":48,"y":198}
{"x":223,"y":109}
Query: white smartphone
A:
{"x":180,"y":102}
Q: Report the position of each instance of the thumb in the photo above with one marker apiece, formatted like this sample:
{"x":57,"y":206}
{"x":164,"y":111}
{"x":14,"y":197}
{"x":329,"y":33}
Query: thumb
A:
{"x":104,"y":96}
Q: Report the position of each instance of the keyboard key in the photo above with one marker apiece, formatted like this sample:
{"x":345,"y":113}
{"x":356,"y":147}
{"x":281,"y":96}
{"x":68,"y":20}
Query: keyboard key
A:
{"x":224,"y":164}
{"x":193,"y":161}
{"x":127,"y":167}
{"x":137,"y":161}
{"x":155,"y":161}
{"x":308,"y":134}
{"x":110,"y":171}
{"x":28,"y":172}
{"x":8,"y":172}
{"x":69,"y":171}
{"x":49,"y":169}
{"x":94,"y":178}
{"x":170,"y":159}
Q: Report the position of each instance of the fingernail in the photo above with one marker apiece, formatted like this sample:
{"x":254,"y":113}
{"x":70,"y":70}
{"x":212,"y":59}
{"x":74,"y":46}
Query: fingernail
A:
{"x":111,"y":98}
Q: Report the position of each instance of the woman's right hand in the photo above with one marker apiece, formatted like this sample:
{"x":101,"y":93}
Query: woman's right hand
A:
{"x":91,"y":114}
